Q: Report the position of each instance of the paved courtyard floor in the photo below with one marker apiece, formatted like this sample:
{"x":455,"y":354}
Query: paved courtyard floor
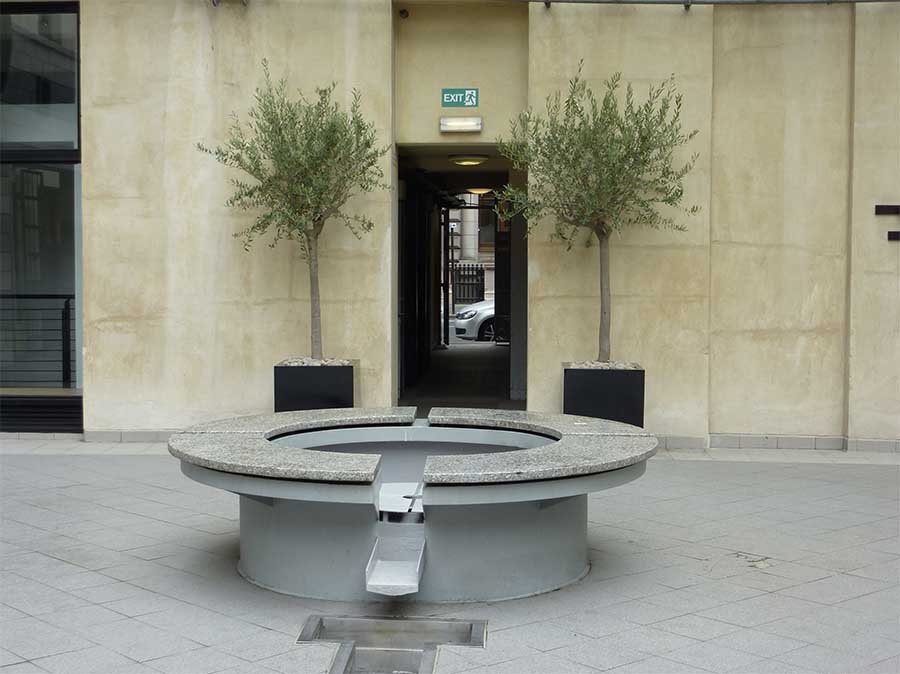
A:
{"x":112,"y":562}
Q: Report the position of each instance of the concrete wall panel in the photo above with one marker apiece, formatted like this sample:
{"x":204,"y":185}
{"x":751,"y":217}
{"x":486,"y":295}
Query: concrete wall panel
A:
{"x":180,"y":323}
{"x":781,"y":145}
{"x":460,"y":45}
{"x":659,"y":278}
{"x":874,"y":359}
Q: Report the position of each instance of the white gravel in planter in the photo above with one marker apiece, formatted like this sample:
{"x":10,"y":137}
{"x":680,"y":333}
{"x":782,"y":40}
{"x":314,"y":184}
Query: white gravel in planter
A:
{"x":603,"y":365}
{"x":305,"y":361}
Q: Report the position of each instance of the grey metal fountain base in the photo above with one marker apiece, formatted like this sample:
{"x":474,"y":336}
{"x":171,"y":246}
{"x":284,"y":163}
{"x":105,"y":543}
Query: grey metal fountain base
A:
{"x":536,"y":545}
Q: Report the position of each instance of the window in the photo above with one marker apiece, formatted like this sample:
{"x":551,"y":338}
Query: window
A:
{"x":40,"y":226}
{"x":38,"y":78}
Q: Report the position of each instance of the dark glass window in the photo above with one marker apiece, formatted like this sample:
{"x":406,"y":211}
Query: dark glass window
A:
{"x":40,"y":193}
{"x":39,"y":318}
{"x":37,"y":228}
{"x":39,"y":81}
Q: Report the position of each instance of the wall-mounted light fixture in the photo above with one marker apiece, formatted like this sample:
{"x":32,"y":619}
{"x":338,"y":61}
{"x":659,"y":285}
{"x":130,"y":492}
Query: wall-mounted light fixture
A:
{"x":460,"y":124}
{"x":479,"y":190}
{"x":468,"y":159}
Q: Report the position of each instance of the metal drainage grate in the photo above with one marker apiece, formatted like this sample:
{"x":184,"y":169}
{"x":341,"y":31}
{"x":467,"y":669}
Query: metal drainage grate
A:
{"x":390,"y":645}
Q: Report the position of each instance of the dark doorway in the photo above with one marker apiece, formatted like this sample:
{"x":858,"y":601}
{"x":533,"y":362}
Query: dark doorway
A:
{"x":454,"y":283}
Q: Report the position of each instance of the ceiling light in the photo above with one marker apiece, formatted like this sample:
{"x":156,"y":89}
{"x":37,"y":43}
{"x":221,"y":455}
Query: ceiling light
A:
{"x":468,"y":159}
{"x":460,"y":124}
{"x":480,"y":190}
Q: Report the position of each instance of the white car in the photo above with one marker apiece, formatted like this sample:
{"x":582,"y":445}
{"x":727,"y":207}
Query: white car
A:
{"x":476,"y":321}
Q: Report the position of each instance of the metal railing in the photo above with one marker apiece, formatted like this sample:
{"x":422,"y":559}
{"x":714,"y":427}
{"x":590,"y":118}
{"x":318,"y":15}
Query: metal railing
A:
{"x":468,"y":283}
{"x":37,"y":341}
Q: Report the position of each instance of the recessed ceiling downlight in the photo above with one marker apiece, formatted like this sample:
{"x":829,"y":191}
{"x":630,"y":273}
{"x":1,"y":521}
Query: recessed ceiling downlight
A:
{"x":468,"y":159}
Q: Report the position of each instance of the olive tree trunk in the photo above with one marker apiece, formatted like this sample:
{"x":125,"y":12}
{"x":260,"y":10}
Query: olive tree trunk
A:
{"x":315,"y":306}
{"x":605,"y":310}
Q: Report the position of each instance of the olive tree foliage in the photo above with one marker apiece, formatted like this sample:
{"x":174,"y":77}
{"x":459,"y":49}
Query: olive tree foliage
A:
{"x":303,"y":159}
{"x":598,"y":166}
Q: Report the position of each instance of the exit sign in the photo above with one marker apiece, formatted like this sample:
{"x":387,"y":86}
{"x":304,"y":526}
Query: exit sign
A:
{"x":459,"y":98}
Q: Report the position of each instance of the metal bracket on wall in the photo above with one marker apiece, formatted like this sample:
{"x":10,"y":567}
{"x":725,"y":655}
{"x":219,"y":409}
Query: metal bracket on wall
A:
{"x":889,"y":209}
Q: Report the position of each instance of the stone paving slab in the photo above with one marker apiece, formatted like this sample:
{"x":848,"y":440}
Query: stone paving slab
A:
{"x":118,"y":564}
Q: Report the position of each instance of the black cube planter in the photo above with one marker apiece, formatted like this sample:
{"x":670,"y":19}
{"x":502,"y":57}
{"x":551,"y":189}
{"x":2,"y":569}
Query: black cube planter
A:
{"x":313,"y":387}
{"x":605,"y":393}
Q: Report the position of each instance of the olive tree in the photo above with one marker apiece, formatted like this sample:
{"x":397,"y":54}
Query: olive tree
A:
{"x":597,"y":167}
{"x":304,"y":158}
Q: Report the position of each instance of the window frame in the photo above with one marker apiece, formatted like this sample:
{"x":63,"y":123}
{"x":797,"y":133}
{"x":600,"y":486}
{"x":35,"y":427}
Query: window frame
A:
{"x":59,"y":157}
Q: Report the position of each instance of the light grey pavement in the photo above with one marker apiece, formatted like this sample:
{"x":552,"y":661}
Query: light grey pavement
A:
{"x":112,"y":562}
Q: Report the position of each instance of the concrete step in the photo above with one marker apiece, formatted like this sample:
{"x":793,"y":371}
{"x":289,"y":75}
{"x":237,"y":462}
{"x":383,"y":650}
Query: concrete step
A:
{"x":396,"y":563}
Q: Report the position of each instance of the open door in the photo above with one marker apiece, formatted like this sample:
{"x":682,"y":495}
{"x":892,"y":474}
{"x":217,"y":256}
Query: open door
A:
{"x":455,"y":308}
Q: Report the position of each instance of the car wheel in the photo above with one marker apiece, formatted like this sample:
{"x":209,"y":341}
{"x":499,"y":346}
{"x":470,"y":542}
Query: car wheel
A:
{"x":486,"y":331}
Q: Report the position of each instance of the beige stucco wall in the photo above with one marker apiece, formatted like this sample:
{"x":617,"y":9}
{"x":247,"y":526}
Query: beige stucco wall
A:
{"x":180,"y":323}
{"x":455,"y":45}
{"x":874,"y":358}
{"x":744,"y":322}
{"x":659,"y":279}
{"x":776,"y":312}
{"x":780,"y":188}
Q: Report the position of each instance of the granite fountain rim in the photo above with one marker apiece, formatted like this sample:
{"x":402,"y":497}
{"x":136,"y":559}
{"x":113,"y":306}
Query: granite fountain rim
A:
{"x":579,"y":446}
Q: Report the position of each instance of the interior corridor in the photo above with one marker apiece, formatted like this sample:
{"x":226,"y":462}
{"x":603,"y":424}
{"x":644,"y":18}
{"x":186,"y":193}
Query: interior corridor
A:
{"x":464,"y":375}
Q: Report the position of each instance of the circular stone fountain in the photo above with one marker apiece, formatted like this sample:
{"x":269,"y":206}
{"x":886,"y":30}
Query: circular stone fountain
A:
{"x":466,"y":505}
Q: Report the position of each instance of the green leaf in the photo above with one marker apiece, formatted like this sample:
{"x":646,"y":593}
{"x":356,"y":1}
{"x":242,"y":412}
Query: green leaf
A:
{"x":302,"y":159}
{"x":600,"y":164}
